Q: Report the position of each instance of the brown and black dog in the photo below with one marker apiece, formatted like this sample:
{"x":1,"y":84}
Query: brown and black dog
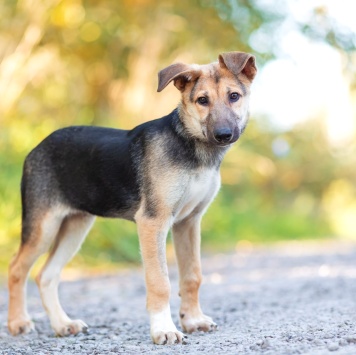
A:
{"x":162,"y":174}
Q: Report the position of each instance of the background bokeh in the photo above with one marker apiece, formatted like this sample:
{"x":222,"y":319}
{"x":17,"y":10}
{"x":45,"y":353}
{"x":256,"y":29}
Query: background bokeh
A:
{"x":95,"y":62}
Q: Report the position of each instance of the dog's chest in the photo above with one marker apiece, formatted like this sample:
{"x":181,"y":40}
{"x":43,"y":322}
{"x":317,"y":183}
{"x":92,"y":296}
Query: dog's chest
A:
{"x":198,"y":193}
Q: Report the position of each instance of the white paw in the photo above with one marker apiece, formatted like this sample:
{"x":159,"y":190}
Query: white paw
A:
{"x":197,"y":323}
{"x":20,"y":326}
{"x":163,"y":330}
{"x":71,"y":327}
{"x":167,"y":337}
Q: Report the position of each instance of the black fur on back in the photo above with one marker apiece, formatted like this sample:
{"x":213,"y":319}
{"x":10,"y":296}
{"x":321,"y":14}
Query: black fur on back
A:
{"x":101,"y":170}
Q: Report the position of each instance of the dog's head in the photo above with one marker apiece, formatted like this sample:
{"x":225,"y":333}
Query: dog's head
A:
{"x":215,"y":97}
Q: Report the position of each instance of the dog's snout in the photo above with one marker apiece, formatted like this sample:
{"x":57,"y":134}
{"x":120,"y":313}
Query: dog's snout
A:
{"x":223,"y":135}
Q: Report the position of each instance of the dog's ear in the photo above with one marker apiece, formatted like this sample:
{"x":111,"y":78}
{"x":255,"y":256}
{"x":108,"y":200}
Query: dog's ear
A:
{"x":180,"y":73}
{"x":239,"y":62}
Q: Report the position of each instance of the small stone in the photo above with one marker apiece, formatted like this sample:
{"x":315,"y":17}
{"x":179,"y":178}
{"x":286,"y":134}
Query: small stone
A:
{"x":343,"y":342}
{"x":333,"y":346}
{"x":265,"y":344}
{"x":351,"y":339}
{"x":318,"y":342}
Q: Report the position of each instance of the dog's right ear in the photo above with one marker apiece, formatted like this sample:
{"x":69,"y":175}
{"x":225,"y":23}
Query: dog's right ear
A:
{"x":180,"y":73}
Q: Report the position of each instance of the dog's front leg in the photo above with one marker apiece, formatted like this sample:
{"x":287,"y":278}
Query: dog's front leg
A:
{"x":152,"y":234}
{"x":186,"y":237}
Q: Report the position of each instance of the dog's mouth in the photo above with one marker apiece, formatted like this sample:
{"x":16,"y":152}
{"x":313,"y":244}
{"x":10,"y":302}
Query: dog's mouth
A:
{"x":222,"y":145}
{"x":213,"y":141}
{"x":226,"y":144}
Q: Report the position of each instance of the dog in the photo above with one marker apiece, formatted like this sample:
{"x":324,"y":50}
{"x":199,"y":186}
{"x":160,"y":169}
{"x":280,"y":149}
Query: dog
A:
{"x":163,"y":174}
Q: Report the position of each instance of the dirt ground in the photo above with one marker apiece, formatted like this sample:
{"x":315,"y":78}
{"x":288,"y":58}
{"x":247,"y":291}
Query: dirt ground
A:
{"x":294,"y":298}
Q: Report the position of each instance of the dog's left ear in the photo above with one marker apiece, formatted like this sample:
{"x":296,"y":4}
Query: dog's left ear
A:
{"x":239,"y":62}
{"x":180,"y":73}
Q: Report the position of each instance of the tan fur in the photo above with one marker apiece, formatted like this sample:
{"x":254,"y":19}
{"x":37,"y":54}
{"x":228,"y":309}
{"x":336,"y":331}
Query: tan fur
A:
{"x":175,"y":195}
{"x":44,"y":232}
{"x":152,"y":236}
{"x":186,"y":237}
{"x":180,"y":210}
{"x":194,"y":115}
{"x":72,"y":232}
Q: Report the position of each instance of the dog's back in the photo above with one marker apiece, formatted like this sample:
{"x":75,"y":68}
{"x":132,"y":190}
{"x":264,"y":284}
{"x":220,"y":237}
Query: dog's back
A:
{"x":89,"y":169}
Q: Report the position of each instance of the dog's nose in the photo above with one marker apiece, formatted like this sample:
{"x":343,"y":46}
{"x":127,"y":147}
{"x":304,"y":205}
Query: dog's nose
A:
{"x":223,"y":135}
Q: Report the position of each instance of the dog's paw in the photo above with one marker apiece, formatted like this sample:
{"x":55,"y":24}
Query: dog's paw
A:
{"x":199,"y":323}
{"x":163,"y":330}
{"x":20,"y":326}
{"x":71,"y":328}
{"x":167,"y":337}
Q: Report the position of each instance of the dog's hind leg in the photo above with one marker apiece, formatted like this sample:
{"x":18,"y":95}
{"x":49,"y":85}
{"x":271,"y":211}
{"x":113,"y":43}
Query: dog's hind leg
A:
{"x":39,"y":229}
{"x":186,"y":237}
{"x":69,"y":239}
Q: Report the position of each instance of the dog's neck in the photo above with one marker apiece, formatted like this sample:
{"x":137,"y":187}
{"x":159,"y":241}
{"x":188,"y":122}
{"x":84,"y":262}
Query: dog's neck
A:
{"x":206,"y":154}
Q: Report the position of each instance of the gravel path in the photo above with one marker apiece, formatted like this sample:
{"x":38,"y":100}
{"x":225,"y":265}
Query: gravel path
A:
{"x":290,"y":299}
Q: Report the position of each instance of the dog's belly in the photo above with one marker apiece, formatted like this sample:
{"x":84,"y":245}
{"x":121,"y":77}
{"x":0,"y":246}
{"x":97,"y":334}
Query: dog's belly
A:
{"x":198,"y":194}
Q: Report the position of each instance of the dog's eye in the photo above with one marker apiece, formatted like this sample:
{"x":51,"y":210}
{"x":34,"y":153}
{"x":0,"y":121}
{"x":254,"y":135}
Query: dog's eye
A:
{"x":203,"y":100}
{"x":234,"y":96}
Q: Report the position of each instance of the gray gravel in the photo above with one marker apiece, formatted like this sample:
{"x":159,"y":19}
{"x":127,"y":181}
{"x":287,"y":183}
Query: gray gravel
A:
{"x":288,"y":299}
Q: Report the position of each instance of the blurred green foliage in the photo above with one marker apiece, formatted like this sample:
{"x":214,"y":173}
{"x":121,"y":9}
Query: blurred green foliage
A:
{"x":95,"y":62}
